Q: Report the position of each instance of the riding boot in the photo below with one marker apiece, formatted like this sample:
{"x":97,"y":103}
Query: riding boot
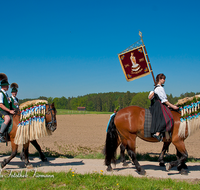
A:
{"x":158,"y":137}
{"x":3,"y":128}
{"x":2,"y":139}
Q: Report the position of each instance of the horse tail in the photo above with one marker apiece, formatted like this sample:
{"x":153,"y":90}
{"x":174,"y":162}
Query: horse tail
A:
{"x":111,"y":142}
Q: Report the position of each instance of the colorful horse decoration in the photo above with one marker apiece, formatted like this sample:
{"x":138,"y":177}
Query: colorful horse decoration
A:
{"x":32,"y":123}
{"x":128,"y":123}
{"x":29,"y":126}
{"x":190,"y":112}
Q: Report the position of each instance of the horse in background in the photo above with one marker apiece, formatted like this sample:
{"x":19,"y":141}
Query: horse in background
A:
{"x":51,"y":124}
{"x":127,"y":124}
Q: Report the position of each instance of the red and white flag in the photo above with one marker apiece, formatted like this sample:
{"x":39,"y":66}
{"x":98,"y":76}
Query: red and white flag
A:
{"x":134,"y":63}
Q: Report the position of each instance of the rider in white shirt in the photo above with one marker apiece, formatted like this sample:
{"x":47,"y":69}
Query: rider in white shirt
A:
{"x":162,"y":117}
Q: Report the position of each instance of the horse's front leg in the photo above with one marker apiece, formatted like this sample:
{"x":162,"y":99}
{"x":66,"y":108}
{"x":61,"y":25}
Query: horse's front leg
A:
{"x":26,"y":152}
{"x":37,"y":146}
{"x":181,"y":157}
{"x":13,"y":154}
{"x":183,"y":164}
{"x":164,"y":149}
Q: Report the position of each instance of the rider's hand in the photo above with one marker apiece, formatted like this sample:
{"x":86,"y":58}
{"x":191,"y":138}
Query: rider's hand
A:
{"x":175,"y":107}
{"x":12,"y":112}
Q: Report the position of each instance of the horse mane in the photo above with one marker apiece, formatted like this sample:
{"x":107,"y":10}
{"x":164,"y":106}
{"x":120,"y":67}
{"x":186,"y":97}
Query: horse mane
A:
{"x":32,"y":102}
{"x":17,"y":111}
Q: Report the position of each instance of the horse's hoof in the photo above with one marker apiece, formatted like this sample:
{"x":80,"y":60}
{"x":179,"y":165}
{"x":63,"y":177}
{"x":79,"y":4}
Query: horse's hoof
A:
{"x":3,"y":164}
{"x":142,"y":172}
{"x":109,"y":169}
{"x":184,"y":166}
{"x":45,"y":160}
{"x":125,"y":164}
{"x":168,"y":166}
{"x":162,"y":163}
{"x":183,"y":172}
{"x":29,"y":166}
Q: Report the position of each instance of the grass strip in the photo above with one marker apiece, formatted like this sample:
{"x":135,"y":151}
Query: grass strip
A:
{"x":71,"y":112}
{"x":98,"y":180}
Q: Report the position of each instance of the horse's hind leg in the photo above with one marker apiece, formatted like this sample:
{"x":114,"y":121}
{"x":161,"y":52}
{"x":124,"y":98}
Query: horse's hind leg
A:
{"x":37,"y":146}
{"x":122,"y":155}
{"x":13,"y":154}
{"x":164,"y":149}
{"x":131,"y":153}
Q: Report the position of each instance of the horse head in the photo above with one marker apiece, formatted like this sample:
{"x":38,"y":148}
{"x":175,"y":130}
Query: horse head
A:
{"x":50,"y":117}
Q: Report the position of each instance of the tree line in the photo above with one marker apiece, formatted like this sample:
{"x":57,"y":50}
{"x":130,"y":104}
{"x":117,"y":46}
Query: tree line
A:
{"x":106,"y":102}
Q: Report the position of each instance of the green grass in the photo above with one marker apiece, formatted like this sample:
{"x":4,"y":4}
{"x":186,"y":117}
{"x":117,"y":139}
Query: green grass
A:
{"x":70,"y":112}
{"x":98,"y":180}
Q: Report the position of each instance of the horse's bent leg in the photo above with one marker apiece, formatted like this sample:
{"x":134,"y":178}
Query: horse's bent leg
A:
{"x":179,"y":144}
{"x":13,"y":154}
{"x":131,"y":153}
{"x":37,"y":146}
{"x":164,"y":149}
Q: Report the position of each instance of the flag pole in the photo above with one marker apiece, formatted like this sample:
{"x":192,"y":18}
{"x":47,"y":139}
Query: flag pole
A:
{"x":140,"y":34}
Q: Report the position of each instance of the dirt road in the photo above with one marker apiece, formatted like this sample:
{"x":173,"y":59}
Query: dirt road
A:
{"x":83,"y":166}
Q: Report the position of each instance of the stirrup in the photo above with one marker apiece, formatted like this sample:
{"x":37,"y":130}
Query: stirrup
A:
{"x":2,"y":139}
{"x":159,"y":137}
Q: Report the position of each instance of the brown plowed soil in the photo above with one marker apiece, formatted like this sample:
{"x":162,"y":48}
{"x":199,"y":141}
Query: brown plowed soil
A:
{"x":84,"y":134}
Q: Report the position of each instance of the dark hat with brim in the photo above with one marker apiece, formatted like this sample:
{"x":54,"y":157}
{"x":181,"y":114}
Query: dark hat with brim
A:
{"x":14,"y":87}
{"x":14,"y":90}
{"x":4,"y":83}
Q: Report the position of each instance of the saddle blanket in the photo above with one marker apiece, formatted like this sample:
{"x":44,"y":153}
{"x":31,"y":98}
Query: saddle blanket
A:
{"x":147,"y":123}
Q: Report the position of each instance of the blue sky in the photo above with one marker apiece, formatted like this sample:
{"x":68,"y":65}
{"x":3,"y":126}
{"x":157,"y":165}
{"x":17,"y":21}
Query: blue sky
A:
{"x":70,"y":48}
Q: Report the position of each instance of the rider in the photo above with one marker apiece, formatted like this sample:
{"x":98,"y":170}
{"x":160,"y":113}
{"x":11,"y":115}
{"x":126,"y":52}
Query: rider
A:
{"x":162,"y":119}
{"x":14,"y":99}
{"x":4,"y":105}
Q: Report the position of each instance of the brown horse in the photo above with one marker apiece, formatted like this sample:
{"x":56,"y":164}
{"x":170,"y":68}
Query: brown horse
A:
{"x":127,"y":124}
{"x":51,"y":124}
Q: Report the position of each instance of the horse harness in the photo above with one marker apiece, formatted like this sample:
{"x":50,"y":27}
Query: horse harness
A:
{"x":51,"y":125}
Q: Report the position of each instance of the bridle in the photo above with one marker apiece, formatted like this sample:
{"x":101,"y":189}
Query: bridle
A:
{"x":51,"y":125}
